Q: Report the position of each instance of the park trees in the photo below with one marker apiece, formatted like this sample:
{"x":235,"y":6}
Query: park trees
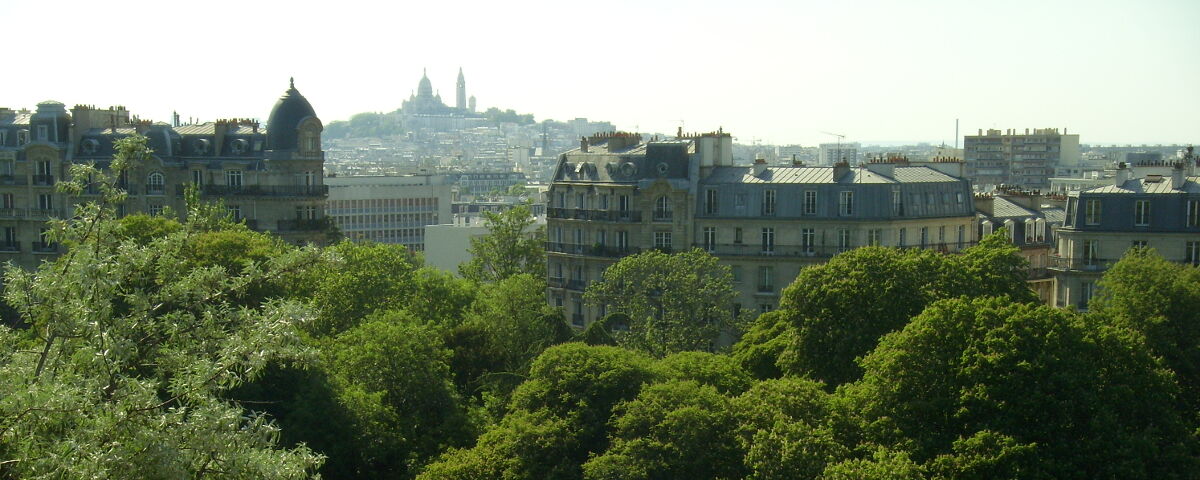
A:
{"x":674,"y":302}
{"x":511,"y":247}
{"x":130,"y":351}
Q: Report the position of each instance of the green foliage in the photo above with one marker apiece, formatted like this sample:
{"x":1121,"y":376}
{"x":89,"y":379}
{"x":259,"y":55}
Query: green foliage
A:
{"x":761,"y":346}
{"x":674,"y":302}
{"x":130,"y":352}
{"x":718,"y":371}
{"x":676,"y":429}
{"x":496,"y":115}
{"x":839,"y":310}
{"x":1160,"y":300}
{"x":786,"y":429}
{"x":365,"y":125}
{"x":391,"y":374}
{"x":883,"y":464}
{"x":358,"y":279}
{"x":1090,"y":402}
{"x":510,"y":248}
{"x":141,"y":228}
{"x":441,"y":298}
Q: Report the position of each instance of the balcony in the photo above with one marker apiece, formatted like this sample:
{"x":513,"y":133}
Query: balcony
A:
{"x":662,"y":215}
{"x":556,"y":282}
{"x":12,"y":213}
{"x":303,"y":225}
{"x":44,"y":180}
{"x":260,"y":190}
{"x":10,"y":247}
{"x":45,"y":247}
{"x":155,"y":189}
{"x":9,"y":179}
{"x":593,"y":215}
{"x":1080,"y":264}
{"x":592,"y":250}
{"x":578,"y":285}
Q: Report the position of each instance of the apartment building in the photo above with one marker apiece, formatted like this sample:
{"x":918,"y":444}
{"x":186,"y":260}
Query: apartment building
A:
{"x":1031,"y":221}
{"x":616,"y":195}
{"x":389,"y":209}
{"x":1026,"y":160}
{"x":268,"y":177}
{"x":1154,"y":204}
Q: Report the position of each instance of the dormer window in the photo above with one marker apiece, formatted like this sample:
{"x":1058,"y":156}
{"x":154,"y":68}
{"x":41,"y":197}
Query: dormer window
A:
{"x":43,"y":133}
{"x":22,"y":137}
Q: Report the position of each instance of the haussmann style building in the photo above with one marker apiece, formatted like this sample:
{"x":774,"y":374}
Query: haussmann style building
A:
{"x":271,"y":177}
{"x":616,"y":195}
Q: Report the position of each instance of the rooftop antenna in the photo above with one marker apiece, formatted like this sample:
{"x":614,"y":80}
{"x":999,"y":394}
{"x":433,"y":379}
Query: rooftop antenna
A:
{"x":956,"y":134}
{"x":839,"y":145}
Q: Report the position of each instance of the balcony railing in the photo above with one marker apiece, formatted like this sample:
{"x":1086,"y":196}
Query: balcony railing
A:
{"x":261,"y":190}
{"x":594,"y":215}
{"x":155,"y":189}
{"x":303,"y":225}
{"x":592,"y":250}
{"x":556,"y":282}
{"x":43,"y":179}
{"x":9,"y":179}
{"x":45,"y":247}
{"x":579,"y":285}
{"x":10,"y":247}
{"x":662,"y":215}
{"x":1081,"y":264}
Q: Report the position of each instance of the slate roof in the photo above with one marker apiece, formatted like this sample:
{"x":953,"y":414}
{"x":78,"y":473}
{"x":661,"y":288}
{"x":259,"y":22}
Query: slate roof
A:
{"x":811,"y":175}
{"x":1141,"y":186}
{"x":1005,"y":208}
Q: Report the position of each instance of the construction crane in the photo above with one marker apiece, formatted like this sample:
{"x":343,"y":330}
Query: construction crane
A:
{"x":839,"y":144}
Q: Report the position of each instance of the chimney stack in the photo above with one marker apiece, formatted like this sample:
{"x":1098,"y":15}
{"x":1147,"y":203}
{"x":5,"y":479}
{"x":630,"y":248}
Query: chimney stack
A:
{"x":1123,"y":175}
{"x":760,"y":165}
{"x":1177,"y":176}
{"x":583,"y":144}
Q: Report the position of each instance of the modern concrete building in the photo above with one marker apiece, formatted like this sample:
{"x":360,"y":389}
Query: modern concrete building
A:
{"x":389,"y":209}
{"x":269,"y":177}
{"x":1155,"y":205}
{"x":616,"y":195}
{"x":831,"y":153}
{"x":1026,"y":160}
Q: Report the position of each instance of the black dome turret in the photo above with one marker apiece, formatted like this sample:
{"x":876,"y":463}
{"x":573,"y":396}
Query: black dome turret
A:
{"x":284,"y":122}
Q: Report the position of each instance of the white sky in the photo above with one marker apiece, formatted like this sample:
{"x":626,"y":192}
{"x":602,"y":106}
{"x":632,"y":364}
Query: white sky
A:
{"x":774,"y":71}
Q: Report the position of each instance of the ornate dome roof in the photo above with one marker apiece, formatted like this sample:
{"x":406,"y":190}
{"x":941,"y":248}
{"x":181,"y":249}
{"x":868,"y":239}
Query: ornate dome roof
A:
{"x":424,"y":89}
{"x":284,"y":122}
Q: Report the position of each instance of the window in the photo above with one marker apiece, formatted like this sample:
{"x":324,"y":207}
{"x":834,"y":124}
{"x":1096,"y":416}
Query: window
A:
{"x":562,"y":200}
{"x":736,"y":270}
{"x":958,"y":198}
{"x":739,"y":200}
{"x":622,"y":240}
{"x":22,"y":137}
{"x":662,"y":209}
{"x":3,"y":138}
{"x":306,"y":212}
{"x":1141,"y":213}
{"x":1089,"y":252}
{"x":233,"y":178}
{"x":1092,"y":212}
{"x":1138,"y":244}
{"x":843,"y":240}
{"x":737,"y":235}
{"x":624,"y":203}
{"x":808,"y":241}
{"x":579,"y":201}
{"x":6,"y":201}
{"x":875,"y":237}
{"x":309,"y":178}
{"x":942,"y":235}
{"x":10,"y":237}
{"x":604,"y":201}
{"x":156,"y":209}
{"x":846,"y":203}
{"x":43,"y":133}
{"x":962,"y":236}
{"x":235,"y":211}
{"x":197,"y":177}
{"x":810,"y":202}
{"x":768,"y":202}
{"x":1070,"y":217}
{"x":768,"y":240}
{"x":765,"y":308}
{"x":1088,"y":290}
{"x":901,"y":240}
{"x":154,"y":183}
{"x":662,"y":240}
{"x":924,"y":237}
{"x":766,"y":279}
{"x":45,"y":201}
{"x":897,"y":203}
{"x":710,"y":239}
{"x":1191,"y":253}
{"x":1193,"y":213}
{"x":578,"y":238}
{"x":710,"y":201}
{"x":601,"y":237}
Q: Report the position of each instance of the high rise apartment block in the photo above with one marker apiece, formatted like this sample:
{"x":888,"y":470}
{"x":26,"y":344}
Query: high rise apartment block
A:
{"x":617,"y":195}
{"x":1026,"y":160}
{"x":271,"y":178}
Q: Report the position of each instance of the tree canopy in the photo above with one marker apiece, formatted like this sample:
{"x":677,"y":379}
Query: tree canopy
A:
{"x":512,"y":246}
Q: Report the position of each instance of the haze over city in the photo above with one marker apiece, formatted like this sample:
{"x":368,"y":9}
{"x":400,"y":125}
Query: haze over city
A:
{"x":771,"y":72}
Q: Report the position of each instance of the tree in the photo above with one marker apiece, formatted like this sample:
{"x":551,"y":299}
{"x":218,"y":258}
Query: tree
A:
{"x":1160,"y":300}
{"x":355,"y":280}
{"x":787,"y":429}
{"x":675,"y":302}
{"x":1040,"y":391}
{"x":130,"y":352}
{"x":511,"y":247}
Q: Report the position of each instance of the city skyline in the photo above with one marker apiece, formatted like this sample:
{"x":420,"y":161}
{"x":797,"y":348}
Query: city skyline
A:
{"x":771,"y":72}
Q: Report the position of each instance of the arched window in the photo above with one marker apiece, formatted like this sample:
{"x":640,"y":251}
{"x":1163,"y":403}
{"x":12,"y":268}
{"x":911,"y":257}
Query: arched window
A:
{"x":155,"y":183}
{"x":662,"y":208}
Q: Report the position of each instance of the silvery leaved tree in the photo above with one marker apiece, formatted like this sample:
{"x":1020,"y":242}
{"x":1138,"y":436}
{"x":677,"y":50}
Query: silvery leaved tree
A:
{"x":130,"y":348}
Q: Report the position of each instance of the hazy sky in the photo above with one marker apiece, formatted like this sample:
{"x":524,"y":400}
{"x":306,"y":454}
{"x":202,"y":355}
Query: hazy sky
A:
{"x":777,"y":72}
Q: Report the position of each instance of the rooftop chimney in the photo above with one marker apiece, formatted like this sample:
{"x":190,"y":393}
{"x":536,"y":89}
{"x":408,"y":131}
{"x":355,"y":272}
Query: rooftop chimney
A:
{"x":1123,"y":175}
{"x":760,"y":165}
{"x":1177,"y":176}
{"x":583,"y":144}
{"x":840,"y":169}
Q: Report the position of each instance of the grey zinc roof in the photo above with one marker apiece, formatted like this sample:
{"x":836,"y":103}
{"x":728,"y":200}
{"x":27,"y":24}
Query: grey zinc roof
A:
{"x":210,"y":129}
{"x":18,"y":119}
{"x":1005,"y":208}
{"x":1054,"y":215}
{"x":1140,"y":186}
{"x":785,"y":174}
